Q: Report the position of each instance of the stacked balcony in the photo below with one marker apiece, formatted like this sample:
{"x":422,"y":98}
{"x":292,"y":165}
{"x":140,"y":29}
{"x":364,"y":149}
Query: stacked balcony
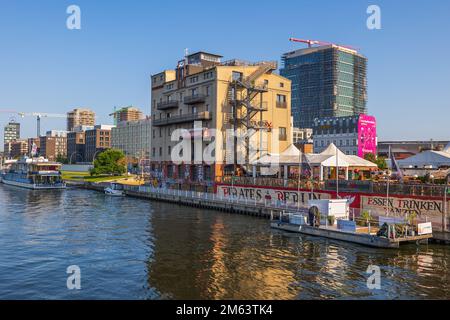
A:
{"x":191,"y":117}
{"x":166,"y":105}
{"x":194,"y":99}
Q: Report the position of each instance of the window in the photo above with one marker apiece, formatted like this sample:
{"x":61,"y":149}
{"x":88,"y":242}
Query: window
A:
{"x":160,"y":151}
{"x":207,"y":91}
{"x":281,"y":84}
{"x":193,"y":79}
{"x":169,"y":150}
{"x":160,"y":132}
{"x":153,"y":152}
{"x":236,"y":75}
{"x":282,"y":134}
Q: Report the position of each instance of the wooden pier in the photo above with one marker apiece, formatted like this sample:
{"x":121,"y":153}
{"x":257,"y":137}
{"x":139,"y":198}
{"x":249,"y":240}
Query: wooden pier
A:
{"x":354,"y":237}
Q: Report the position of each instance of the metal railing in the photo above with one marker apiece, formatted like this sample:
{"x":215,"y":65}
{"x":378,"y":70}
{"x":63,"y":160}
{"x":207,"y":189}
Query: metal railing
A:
{"x":197,"y":195}
{"x":428,"y":190}
{"x":164,"y":105}
{"x":205,"y":115}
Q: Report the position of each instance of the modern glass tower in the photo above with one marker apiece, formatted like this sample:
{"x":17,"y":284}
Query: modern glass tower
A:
{"x":327,"y":81}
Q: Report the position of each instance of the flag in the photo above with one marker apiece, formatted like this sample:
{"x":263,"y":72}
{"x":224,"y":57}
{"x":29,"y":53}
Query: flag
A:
{"x":396,"y":168}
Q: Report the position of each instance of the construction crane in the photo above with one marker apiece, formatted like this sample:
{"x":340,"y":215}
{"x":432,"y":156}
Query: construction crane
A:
{"x":38,"y":116}
{"x":310,"y":43}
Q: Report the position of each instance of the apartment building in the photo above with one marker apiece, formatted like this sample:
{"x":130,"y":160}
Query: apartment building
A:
{"x":97,"y":139}
{"x":127,"y":114}
{"x":19,"y":148}
{"x":133,"y":138}
{"x":53,"y":144}
{"x":76,"y":144}
{"x":226,"y":96}
{"x":80,"y":117}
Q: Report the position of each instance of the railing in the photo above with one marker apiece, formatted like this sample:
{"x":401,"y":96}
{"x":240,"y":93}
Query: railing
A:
{"x":164,"y":105}
{"x":195,"y":98}
{"x":182,"y":118}
{"x":344,"y":186}
{"x":281,"y":104}
{"x":264,"y":203}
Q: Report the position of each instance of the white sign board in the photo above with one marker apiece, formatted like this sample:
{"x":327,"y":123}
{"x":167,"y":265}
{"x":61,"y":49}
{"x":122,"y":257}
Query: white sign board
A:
{"x":424,"y":228}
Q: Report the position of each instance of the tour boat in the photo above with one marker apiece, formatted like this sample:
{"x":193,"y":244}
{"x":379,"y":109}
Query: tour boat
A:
{"x":36,"y":174}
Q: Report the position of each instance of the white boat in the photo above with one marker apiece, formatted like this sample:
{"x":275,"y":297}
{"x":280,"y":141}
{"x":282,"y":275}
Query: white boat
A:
{"x":35,"y":174}
{"x":115,"y":190}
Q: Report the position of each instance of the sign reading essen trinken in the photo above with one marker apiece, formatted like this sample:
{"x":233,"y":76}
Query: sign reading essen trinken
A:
{"x":263,"y":194}
{"x":403,"y":206}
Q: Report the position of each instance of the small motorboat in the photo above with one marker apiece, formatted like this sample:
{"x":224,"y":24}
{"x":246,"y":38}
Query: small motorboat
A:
{"x":115,"y":190}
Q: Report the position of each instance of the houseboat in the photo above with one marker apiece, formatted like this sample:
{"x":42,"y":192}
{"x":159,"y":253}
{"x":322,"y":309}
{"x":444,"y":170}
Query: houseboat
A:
{"x":36,"y":174}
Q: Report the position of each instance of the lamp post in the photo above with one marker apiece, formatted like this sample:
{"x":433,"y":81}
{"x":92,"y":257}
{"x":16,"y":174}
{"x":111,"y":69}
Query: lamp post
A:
{"x":445,"y":216}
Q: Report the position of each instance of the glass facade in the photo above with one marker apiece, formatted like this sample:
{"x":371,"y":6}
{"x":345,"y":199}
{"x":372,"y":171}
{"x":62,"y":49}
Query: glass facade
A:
{"x":326,"y":82}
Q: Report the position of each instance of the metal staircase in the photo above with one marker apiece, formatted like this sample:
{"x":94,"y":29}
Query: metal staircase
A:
{"x":245,"y":109}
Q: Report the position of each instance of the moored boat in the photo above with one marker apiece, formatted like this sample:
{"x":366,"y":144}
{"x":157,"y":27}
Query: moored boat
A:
{"x":35,"y":174}
{"x":115,"y":190}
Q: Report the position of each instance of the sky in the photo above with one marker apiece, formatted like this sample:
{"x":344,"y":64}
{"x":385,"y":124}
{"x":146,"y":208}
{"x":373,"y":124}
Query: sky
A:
{"x":45,"y":67}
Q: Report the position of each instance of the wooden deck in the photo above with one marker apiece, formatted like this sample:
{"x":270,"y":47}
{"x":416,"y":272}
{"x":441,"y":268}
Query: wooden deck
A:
{"x":365,"y":239}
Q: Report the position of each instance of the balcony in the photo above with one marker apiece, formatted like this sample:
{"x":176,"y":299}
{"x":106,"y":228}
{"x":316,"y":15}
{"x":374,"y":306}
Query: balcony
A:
{"x":199,"y":116}
{"x":164,"y":105}
{"x":195,"y":98}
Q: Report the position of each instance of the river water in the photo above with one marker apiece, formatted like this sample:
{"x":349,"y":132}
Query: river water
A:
{"x":136,"y":249}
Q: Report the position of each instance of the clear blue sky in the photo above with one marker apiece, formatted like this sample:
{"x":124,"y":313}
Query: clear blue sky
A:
{"x":47,"y":68}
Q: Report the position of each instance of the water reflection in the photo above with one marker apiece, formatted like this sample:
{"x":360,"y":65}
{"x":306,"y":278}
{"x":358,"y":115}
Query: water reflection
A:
{"x":134,"y":249}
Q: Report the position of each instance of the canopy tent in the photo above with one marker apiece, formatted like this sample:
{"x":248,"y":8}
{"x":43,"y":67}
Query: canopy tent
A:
{"x":428,"y":159}
{"x":292,"y":156}
{"x":332,"y":157}
{"x":447,"y":148}
{"x":329,"y":158}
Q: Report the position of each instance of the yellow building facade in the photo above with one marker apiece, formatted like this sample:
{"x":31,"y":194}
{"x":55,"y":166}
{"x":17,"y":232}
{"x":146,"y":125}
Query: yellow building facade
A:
{"x":245,"y":106}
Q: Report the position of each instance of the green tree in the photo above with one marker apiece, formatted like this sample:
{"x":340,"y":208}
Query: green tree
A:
{"x":62,"y":159}
{"x":379,"y":161}
{"x":110,"y":162}
{"x":370,"y":157}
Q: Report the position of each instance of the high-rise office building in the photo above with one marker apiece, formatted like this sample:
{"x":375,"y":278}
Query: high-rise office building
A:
{"x":80,"y":117}
{"x":12,"y":132}
{"x":327,"y":81}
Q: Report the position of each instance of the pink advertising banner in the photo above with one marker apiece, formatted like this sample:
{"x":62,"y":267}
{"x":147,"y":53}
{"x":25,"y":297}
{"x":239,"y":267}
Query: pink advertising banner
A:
{"x":367,"y":135}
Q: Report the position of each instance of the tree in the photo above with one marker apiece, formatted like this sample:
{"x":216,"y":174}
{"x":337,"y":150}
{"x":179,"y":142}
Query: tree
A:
{"x":62,"y":159}
{"x":370,"y":157}
{"x":379,"y":161}
{"x":110,"y":162}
